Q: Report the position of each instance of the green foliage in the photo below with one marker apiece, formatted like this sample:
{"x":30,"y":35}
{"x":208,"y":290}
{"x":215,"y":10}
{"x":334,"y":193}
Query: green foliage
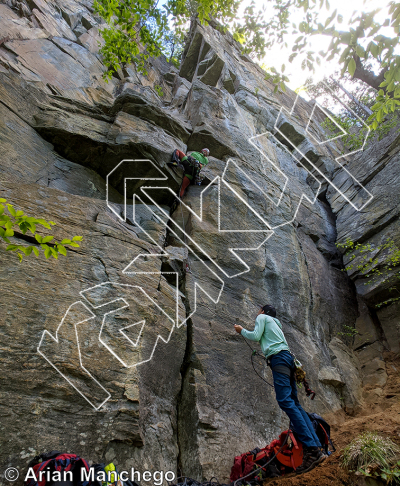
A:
{"x":373,"y":456}
{"x":278,"y":79}
{"x":391,"y":475}
{"x":172,"y":45}
{"x":388,"y":301}
{"x":363,"y":43}
{"x":138,"y":29}
{"x":368,"y":263}
{"x":348,"y":331}
{"x":49,"y":245}
{"x":357,"y":133}
{"x":159,"y":90}
{"x":250,"y":31}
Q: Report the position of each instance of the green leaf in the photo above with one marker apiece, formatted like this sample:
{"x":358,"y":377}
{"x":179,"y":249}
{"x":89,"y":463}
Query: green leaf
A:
{"x":77,"y":238}
{"x":27,"y":250}
{"x":65,"y":242}
{"x":3,"y":200}
{"x":38,"y":238}
{"x":11,"y":210}
{"x":44,"y":223}
{"x":360,"y":51}
{"x":46,"y":239}
{"x":35,"y":251}
{"x":351,"y":67}
{"x":8,"y":232}
{"x":32,"y":228}
{"x":373,"y":49}
{"x":62,"y":250}
{"x":47,"y":251}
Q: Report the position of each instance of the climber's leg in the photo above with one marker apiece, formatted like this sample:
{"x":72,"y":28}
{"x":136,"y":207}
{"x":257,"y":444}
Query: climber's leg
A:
{"x":185,"y":182}
{"x":177,"y":157}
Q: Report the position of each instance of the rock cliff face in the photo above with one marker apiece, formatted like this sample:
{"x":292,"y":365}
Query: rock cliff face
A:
{"x":262,"y":228}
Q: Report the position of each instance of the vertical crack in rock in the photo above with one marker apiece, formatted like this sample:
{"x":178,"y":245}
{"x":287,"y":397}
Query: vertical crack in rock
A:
{"x":311,"y":305}
{"x":188,"y":463}
{"x":186,"y":411}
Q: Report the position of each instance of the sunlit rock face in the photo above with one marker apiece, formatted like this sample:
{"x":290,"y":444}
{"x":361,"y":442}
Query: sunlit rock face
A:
{"x":260,"y":229}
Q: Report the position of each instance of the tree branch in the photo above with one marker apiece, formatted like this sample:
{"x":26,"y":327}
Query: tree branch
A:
{"x":368,"y":77}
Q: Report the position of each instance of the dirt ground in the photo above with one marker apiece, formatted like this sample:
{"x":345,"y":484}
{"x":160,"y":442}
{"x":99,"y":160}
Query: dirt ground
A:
{"x":381,"y":413}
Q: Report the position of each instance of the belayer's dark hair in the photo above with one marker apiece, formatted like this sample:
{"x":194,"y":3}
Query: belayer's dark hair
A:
{"x":269,"y":310}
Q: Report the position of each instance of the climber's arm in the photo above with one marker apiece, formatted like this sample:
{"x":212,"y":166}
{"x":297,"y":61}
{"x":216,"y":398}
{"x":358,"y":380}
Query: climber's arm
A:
{"x":256,"y":334}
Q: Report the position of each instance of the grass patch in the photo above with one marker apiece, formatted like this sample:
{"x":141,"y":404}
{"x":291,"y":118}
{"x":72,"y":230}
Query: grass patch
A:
{"x":373,"y":456}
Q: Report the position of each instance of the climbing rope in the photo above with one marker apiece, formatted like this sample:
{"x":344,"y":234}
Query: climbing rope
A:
{"x":256,"y":353}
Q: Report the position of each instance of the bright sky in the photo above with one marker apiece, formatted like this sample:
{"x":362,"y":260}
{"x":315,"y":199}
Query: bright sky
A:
{"x":277,"y":56}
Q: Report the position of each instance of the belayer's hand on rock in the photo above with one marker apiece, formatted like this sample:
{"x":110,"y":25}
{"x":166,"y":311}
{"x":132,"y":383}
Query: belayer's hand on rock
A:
{"x":238,"y":328}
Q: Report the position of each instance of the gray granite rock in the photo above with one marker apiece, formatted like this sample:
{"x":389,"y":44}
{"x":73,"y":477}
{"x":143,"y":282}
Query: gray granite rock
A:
{"x":271,"y":216}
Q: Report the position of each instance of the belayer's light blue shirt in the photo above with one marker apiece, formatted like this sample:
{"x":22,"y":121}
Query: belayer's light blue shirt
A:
{"x":268,"y":332}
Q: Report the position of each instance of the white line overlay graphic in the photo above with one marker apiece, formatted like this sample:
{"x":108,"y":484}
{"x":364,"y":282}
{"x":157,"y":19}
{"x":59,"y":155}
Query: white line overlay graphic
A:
{"x":105,"y":301}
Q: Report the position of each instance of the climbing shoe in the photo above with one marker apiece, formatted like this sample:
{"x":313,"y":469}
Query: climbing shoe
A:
{"x":175,"y":161}
{"x":312,"y":456}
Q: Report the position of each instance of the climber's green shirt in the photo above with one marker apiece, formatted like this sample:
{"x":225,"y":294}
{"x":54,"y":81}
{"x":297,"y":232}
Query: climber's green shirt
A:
{"x":198,"y":156}
{"x":268,"y":331}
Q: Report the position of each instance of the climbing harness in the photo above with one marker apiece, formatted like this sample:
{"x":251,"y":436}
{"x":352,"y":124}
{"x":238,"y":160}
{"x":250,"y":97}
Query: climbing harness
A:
{"x":299,"y":373}
{"x":300,"y":377}
{"x":198,"y":180}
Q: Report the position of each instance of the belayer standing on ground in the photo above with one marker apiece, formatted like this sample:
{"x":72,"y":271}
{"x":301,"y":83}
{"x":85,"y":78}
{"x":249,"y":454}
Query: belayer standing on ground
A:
{"x":192,"y":165}
{"x":268,"y":332}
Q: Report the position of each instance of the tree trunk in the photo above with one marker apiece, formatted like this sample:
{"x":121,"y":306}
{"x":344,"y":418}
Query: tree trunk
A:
{"x":356,"y":101}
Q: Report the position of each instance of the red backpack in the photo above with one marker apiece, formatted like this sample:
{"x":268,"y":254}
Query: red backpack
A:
{"x":55,"y":461}
{"x":288,"y":455}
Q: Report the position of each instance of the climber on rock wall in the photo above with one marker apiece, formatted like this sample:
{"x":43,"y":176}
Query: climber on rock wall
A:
{"x":268,"y":332}
{"x":192,"y":164}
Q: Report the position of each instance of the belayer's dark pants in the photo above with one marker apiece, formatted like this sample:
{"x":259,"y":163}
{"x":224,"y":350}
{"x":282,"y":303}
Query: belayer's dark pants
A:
{"x":286,"y":396}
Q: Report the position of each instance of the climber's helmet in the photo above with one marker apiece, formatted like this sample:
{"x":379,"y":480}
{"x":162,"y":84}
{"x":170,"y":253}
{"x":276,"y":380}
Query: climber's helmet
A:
{"x":205,"y":152}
